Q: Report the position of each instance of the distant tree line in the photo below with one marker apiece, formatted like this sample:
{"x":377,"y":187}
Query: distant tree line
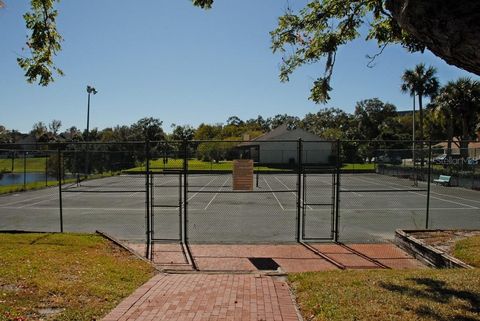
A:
{"x":452,"y":115}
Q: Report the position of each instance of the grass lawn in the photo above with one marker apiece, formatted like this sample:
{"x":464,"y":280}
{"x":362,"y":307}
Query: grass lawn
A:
{"x":33,"y":164}
{"x":64,"y":276}
{"x":365,"y":166}
{"x":195,"y":164}
{"x":388,"y":295}
{"x":468,"y":250}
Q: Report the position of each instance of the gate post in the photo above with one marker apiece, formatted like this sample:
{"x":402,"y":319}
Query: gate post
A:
{"x":299,"y":189}
{"x":59,"y":169}
{"x":148,"y":247}
{"x":25,"y":170}
{"x":184,"y":235}
{"x":46,"y":169}
{"x":337,"y":192}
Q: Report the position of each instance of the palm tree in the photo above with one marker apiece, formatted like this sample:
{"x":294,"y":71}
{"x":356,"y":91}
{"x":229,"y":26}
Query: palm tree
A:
{"x":444,"y":110}
{"x":422,"y":82}
{"x":462,"y":98}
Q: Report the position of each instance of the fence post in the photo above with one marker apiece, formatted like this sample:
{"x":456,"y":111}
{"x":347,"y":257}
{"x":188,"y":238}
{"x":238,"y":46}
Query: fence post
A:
{"x":46,"y":169}
{"x":473,"y":173}
{"x":24,"y":170}
{"x":86,"y":161}
{"x":184,"y":235}
{"x":299,"y":189}
{"x":148,"y":247}
{"x":427,"y":216}
{"x":337,"y":193}
{"x":59,"y":170}
{"x":13,"y":161}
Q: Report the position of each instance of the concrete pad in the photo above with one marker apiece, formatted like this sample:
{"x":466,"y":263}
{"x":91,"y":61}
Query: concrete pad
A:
{"x":252,"y":250}
{"x":380,"y":251}
{"x":304,"y":265}
{"x":224,"y":264}
{"x":399,"y":264}
{"x":290,"y":257}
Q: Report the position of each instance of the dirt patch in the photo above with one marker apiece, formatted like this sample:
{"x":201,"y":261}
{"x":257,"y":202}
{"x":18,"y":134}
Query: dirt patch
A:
{"x":10,"y":288}
{"x":443,"y":240}
{"x":49,"y":312}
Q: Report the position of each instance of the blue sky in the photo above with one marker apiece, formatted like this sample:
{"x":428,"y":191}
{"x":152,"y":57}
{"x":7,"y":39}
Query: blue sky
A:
{"x":183,"y":65}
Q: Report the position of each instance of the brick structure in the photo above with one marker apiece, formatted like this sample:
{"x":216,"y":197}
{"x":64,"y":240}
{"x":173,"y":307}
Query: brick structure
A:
{"x":243,"y":175}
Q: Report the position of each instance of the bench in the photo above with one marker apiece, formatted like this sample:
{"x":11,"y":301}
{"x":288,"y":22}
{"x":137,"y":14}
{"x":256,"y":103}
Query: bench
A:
{"x":443,"y":180}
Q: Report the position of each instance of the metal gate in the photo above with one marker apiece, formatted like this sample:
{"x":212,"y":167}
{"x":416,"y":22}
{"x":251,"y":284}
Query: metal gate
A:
{"x":293,"y":201}
{"x":319,"y":200}
{"x":165,"y":202}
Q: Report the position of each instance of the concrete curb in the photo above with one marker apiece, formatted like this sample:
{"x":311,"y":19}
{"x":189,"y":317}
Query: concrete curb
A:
{"x":126,"y":248}
{"x":425,"y":253}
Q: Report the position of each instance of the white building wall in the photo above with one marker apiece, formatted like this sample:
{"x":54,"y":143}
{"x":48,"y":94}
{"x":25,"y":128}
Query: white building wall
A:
{"x":286,"y":152}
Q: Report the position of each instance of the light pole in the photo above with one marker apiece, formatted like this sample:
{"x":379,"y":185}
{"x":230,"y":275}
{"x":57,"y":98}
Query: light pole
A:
{"x":90,"y":90}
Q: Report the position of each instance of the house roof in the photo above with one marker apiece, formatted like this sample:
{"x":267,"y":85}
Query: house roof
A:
{"x":282,"y":132}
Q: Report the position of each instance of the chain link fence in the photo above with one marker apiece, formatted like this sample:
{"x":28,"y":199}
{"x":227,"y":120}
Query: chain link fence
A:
{"x":184,"y":191}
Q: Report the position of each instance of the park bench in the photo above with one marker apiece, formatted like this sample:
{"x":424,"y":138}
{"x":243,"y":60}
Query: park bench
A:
{"x":443,"y":180}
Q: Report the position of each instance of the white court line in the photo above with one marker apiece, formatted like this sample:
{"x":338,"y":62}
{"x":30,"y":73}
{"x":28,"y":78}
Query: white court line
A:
{"x":355,"y":193}
{"x":47,"y":195}
{"x":202,"y":189}
{"x":396,"y":209}
{"x":281,"y":206}
{"x":46,"y":200}
{"x":63,"y":197}
{"x":461,"y":198}
{"x":29,"y":199}
{"x":77,"y":208}
{"x":214,"y":196}
{"x":451,"y":196}
{"x":98,"y":209}
{"x":308,"y":206}
{"x":170,"y":181}
{"x":441,"y":199}
{"x":438,"y":198}
{"x":201,"y":209}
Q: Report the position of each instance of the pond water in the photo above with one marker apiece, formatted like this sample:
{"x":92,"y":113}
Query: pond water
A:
{"x":17,"y":178}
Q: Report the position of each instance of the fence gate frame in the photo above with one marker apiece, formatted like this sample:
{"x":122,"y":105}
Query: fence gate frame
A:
{"x":303,"y":171}
{"x":333,"y":234}
{"x":153,"y":205}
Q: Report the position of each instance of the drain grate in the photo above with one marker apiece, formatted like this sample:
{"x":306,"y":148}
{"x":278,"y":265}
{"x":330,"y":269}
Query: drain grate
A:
{"x":264,"y":263}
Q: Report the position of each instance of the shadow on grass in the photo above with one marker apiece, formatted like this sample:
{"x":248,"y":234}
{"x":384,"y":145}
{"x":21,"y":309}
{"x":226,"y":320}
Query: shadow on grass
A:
{"x":439,"y":292}
{"x":41,"y":237}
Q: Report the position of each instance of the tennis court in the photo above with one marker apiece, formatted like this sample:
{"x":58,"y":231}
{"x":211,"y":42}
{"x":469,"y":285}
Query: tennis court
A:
{"x":370,"y":208}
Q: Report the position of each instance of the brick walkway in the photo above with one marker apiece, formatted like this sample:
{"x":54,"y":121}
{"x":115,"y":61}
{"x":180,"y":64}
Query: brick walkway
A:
{"x":212,"y":297}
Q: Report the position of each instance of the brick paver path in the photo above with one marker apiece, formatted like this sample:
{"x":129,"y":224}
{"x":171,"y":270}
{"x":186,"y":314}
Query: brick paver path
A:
{"x":213,"y":297}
